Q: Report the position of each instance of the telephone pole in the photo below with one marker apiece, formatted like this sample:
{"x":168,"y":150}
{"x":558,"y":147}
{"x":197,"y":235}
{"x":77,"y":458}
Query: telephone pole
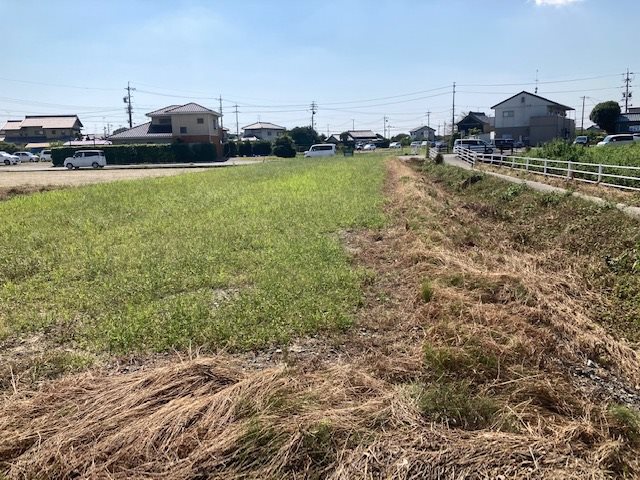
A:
{"x":314,"y":109}
{"x":453,"y":111}
{"x":582,"y":122}
{"x":221,"y":116}
{"x":385,"y":120}
{"x":353,"y":124}
{"x":127,"y":100}
{"x":627,"y":94}
{"x":428,"y":133}
{"x":237,"y":124}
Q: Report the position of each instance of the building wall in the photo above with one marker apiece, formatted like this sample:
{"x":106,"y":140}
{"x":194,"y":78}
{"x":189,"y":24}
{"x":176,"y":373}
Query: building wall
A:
{"x":268,"y":134}
{"x":136,"y":141}
{"x":209,"y":125}
{"x":422,"y":135}
{"x":547,"y":128}
{"x":523,"y":107}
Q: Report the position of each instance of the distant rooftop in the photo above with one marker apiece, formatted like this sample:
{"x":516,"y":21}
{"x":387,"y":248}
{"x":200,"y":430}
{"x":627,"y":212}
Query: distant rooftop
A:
{"x":179,"y":109}
{"x":263,"y":125}
{"x":141,"y":131}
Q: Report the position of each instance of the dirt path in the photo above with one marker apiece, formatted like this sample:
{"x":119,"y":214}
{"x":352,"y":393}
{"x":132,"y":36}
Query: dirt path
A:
{"x":458,"y":366}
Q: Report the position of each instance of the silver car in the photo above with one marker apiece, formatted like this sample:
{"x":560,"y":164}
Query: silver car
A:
{"x":9,"y":159}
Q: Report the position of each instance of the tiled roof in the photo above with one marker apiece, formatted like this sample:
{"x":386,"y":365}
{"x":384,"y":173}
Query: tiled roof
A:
{"x":140,"y":131}
{"x":361,"y":134}
{"x":260,"y":125}
{"x":12,"y":125}
{"x":53,"y":121}
{"x":421,"y":128}
{"x":533,"y":95}
{"x":176,"y":109}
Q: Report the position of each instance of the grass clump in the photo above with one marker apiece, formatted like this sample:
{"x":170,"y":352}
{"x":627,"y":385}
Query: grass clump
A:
{"x":628,"y":421}
{"x":237,"y":257}
{"x":426,"y":291}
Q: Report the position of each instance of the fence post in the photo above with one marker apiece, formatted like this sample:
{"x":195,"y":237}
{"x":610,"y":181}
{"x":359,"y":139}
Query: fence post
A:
{"x":569,"y":170}
{"x":545,"y":167}
{"x":599,"y":173}
{"x":526,"y":164}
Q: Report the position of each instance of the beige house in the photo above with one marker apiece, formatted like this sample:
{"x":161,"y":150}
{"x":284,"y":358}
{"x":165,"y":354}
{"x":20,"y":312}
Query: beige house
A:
{"x":263,"y":131}
{"x":42,"y":129}
{"x":190,"y":123}
{"x":532,"y":119}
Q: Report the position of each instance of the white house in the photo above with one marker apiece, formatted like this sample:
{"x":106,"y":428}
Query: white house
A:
{"x":532,"y":119}
{"x":263,"y":131}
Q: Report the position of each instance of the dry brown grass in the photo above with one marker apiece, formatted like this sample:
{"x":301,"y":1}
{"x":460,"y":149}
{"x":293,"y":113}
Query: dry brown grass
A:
{"x":476,"y":383}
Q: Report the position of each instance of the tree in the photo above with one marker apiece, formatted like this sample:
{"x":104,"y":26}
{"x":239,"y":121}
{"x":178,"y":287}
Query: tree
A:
{"x":344,"y":137}
{"x":403,"y":138}
{"x":304,"y":136}
{"x":605,"y":115}
{"x":283,"y":147}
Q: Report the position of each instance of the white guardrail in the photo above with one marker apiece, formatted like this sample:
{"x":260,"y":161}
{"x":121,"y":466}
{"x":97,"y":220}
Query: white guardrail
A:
{"x":617,"y":176}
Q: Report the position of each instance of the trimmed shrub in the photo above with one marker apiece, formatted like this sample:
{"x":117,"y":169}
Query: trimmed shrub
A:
{"x":262,"y":148}
{"x":138,"y":154}
{"x":9,"y":147}
{"x":284,"y":147}
{"x":230,"y":149}
{"x":245,"y":149}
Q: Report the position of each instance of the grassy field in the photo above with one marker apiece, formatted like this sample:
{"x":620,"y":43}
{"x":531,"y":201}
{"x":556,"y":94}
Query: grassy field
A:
{"x":235,"y":258}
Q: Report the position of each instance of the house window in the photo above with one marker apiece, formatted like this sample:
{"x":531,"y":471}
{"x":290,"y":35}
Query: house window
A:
{"x":522,"y":100}
{"x":183,"y":129}
{"x":269,"y":133}
{"x":508,"y":113}
{"x":200,"y":121}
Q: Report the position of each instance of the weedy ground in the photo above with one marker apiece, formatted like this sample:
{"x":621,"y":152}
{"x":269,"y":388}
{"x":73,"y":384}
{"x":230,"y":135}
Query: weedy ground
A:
{"x":494,"y":338}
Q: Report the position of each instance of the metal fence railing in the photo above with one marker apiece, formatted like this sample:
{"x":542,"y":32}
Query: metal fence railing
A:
{"x":617,"y":176}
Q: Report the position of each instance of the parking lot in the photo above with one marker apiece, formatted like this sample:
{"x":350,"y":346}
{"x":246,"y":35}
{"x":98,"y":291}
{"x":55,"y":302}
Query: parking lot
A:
{"x":43,"y":174}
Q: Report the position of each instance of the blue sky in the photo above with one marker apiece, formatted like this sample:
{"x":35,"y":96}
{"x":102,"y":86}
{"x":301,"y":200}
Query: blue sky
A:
{"x":274,"y":58}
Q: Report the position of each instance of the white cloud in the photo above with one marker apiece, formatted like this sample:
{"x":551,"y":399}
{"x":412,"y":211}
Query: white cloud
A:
{"x":556,"y":3}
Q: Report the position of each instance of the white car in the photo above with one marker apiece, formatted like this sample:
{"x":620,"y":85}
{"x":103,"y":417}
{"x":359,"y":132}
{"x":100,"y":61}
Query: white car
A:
{"x":395,"y":145}
{"x":86,"y":158}
{"x":613,"y":140}
{"x":9,"y":159}
{"x":415,"y":144}
{"x":45,"y":155}
{"x":27,"y":157}
{"x":321,"y":150}
{"x":369,"y":147}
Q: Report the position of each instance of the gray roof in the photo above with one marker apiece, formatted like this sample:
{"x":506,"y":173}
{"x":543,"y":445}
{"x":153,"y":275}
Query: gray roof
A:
{"x":12,"y":125}
{"x":140,"y":131}
{"x":44,"y":121}
{"x":186,"y":108}
{"x":361,"y":134}
{"x":479,"y":116}
{"x":533,"y":95}
{"x":261,"y":125}
{"x":417,"y":129}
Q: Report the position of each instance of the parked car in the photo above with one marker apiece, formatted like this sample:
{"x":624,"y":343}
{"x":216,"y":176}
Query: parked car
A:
{"x":415,"y":144}
{"x":27,"y":157}
{"x":395,"y":145}
{"x":581,"y":140}
{"x":504,"y":143}
{"x":424,"y":143}
{"x":321,"y":150}
{"x":359,"y":146}
{"x":45,"y":156}
{"x":9,"y":159}
{"x":621,"y":139}
{"x":474,"y":145}
{"x":86,"y":158}
{"x":518,"y":144}
{"x":440,"y":146}
{"x":369,"y":147}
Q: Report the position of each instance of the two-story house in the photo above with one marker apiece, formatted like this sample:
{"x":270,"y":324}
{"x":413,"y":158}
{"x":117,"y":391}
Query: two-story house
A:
{"x":263,"y":131}
{"x":422,"y":133}
{"x":476,"y":122}
{"x":532,"y":119}
{"x":189,"y":123}
{"x":42,"y":129}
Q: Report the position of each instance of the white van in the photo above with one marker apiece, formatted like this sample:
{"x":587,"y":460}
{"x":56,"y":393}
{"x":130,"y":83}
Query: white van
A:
{"x":321,"y":150}
{"x":86,"y":158}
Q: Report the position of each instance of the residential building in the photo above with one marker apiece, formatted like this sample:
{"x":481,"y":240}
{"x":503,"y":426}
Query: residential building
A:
{"x":42,"y":129}
{"x":629,"y":122}
{"x":263,"y":131}
{"x":362,"y":136}
{"x":423,"y":133}
{"x":189,"y":123}
{"x":333,"y":138}
{"x":477,"y":122}
{"x":532,"y":119}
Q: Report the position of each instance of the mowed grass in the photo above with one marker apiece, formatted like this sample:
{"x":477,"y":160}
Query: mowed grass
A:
{"x":235,"y":258}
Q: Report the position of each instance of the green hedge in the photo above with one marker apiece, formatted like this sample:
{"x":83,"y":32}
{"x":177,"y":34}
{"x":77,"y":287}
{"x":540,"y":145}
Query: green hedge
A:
{"x":137,"y":154}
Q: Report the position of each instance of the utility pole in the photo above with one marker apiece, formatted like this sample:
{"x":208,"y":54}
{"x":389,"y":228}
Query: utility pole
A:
{"x":536,"y":90}
{"x":428,"y":133}
{"x":127,"y":100}
{"x":221,"y":116}
{"x":385,"y":121}
{"x":582,"y":122}
{"x":453,"y":111}
{"x":314,"y":108}
{"x":237,"y":124}
{"x":353,"y":124}
{"x":627,"y":94}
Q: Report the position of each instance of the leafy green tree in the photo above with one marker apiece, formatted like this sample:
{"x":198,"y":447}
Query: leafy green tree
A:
{"x":304,"y":136}
{"x":8,"y":147}
{"x":605,"y":115}
{"x":284,"y":147}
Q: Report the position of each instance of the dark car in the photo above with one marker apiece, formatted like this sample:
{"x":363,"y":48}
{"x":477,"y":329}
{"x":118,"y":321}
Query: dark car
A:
{"x":504,"y":144}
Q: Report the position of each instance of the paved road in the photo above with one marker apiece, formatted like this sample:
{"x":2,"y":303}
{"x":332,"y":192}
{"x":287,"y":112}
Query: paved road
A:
{"x":451,"y":159}
{"x":48,"y":167}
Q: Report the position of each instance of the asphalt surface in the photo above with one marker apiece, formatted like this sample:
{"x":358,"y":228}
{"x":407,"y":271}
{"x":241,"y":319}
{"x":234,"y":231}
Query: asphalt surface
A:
{"x":48,"y":166}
